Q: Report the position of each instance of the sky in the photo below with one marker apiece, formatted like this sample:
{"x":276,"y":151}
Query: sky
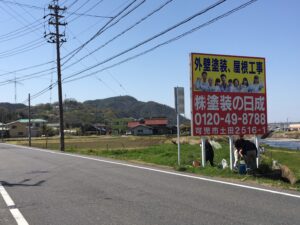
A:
{"x":266,"y":28}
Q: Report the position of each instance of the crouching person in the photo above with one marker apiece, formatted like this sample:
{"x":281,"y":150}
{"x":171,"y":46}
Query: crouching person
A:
{"x":209,"y":152}
{"x":248,"y":151}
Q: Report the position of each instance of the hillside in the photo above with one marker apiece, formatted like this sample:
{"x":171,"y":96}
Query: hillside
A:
{"x":93,"y":111}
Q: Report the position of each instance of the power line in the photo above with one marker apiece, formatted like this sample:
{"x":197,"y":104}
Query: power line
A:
{"x":80,"y":7}
{"x":155,"y":47}
{"x":96,"y":23}
{"x":42,"y":8}
{"x":123,"y":32}
{"x":94,"y":36}
{"x":21,"y":49}
{"x":87,"y":50}
{"x":100,"y":80}
{"x":20,"y":32}
{"x":21,"y":4}
{"x":78,"y":15}
{"x":24,"y":78}
{"x":19,"y":17}
{"x":101,"y":30}
{"x":166,"y":42}
{"x":96,"y":61}
{"x":24,"y":9}
{"x":30,"y":67}
{"x":115,"y":79}
{"x":71,"y":5}
{"x":152,"y":38}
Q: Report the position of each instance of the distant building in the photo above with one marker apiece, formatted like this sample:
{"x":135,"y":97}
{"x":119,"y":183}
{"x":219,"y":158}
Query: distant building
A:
{"x":101,"y":128}
{"x":294,"y":127}
{"x":94,"y":129}
{"x":54,"y":127}
{"x":19,"y":128}
{"x":155,"y":126}
{"x":3,"y":130}
{"x":142,"y":130}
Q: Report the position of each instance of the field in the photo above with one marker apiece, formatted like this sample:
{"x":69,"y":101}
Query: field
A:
{"x":98,"y":143}
{"x":161,"y":151}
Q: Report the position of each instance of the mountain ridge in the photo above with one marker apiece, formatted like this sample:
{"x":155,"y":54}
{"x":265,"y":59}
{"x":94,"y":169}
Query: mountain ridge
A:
{"x":93,"y":111}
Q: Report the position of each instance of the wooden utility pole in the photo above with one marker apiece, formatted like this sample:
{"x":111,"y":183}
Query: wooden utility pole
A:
{"x":58,"y":38}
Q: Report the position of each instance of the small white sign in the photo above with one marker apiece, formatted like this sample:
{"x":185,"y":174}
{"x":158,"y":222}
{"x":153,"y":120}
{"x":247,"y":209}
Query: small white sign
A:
{"x":179,"y":99}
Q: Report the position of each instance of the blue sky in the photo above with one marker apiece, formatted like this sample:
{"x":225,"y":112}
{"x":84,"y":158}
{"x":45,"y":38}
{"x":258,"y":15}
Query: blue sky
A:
{"x":265,"y":28}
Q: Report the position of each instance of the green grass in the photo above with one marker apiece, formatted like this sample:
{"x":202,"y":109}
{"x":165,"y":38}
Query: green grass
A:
{"x":159,"y":150}
{"x":290,"y":158}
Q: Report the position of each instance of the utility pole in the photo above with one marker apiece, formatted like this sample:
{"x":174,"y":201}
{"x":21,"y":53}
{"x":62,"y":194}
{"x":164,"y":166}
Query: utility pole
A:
{"x":29,"y":122}
{"x":15,"y":81}
{"x":15,"y":85}
{"x":58,"y":38}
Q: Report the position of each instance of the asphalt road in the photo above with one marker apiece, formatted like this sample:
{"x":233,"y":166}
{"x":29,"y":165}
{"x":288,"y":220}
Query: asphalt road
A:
{"x":60,"y":189}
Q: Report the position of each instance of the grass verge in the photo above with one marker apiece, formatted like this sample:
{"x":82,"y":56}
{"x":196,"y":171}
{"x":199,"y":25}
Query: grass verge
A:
{"x":158,"y":151}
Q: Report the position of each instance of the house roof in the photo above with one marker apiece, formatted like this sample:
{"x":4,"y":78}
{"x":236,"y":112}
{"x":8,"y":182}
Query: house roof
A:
{"x":53,"y":124}
{"x":32,"y":121}
{"x":141,"y":125}
{"x":148,"y":122}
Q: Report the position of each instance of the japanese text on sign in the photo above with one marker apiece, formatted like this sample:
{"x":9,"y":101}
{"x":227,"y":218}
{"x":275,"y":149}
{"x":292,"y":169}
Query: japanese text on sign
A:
{"x":228,"y":95}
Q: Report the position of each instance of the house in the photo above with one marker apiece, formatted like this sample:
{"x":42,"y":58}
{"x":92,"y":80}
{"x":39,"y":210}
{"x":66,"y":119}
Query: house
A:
{"x":3,"y":130}
{"x":141,"y":130}
{"x":294,"y":127}
{"x":94,"y":129}
{"x":154,"y":126}
{"x":100,"y":127}
{"x":19,"y":128}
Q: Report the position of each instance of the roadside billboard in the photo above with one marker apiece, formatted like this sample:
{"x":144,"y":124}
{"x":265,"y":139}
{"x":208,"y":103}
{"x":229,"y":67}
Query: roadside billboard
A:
{"x":228,"y":95}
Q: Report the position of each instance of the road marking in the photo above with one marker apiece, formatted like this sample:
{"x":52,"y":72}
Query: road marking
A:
{"x":14,"y":211}
{"x":18,"y":217}
{"x":9,"y":202}
{"x":162,"y":171}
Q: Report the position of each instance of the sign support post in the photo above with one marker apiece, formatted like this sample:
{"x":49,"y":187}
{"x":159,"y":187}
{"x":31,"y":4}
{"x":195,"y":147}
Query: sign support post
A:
{"x":179,"y":108}
{"x":178,"y":138}
{"x":256,"y":141}
{"x":203,"y":151}
{"x":231,"y":147}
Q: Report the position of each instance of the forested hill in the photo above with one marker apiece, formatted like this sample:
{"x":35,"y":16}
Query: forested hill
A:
{"x":93,"y":111}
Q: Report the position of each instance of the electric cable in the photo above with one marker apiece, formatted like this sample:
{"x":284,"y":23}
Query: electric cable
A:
{"x":166,"y":42}
{"x":153,"y":37}
{"x":155,"y":47}
{"x":77,"y":50}
{"x":123,"y":32}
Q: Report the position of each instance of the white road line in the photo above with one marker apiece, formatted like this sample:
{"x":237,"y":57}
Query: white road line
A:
{"x":9,"y":202}
{"x":164,"y":172}
{"x":18,"y":217}
{"x":14,"y":211}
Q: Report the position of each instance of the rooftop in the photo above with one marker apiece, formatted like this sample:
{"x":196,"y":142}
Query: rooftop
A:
{"x":32,"y":121}
{"x":148,"y":122}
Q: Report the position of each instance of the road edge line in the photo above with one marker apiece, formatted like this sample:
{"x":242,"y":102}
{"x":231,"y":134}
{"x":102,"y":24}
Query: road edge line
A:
{"x":161,"y":171}
{"x":17,"y":215}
